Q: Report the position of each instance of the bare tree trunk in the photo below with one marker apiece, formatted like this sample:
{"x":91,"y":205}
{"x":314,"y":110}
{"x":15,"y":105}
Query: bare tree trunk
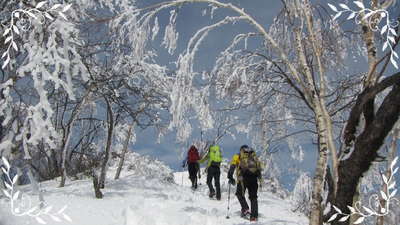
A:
{"x":64,"y":157}
{"x":392,"y":154}
{"x":110,"y":118}
{"x":124,"y":150}
{"x":54,"y":163}
{"x":365,"y":150}
{"x":34,"y":183}
{"x":371,"y":78}
{"x":356,"y":198}
{"x":2,"y":186}
{"x":96,"y":184}
{"x":74,"y":116}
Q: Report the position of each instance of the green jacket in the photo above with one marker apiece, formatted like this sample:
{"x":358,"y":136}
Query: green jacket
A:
{"x":214,"y":156}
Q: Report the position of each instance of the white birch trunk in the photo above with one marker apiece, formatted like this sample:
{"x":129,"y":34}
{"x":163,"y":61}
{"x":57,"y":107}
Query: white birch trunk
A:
{"x":320,"y":171}
{"x":317,"y":48}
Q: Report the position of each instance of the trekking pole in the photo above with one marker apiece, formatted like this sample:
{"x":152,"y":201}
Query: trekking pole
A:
{"x":229,"y":198}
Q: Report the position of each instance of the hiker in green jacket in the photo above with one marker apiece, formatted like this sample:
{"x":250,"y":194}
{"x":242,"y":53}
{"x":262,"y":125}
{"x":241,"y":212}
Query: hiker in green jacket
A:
{"x":214,"y":158}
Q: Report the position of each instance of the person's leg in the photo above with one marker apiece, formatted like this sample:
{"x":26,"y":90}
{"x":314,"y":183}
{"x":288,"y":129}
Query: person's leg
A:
{"x":210,"y":173}
{"x":192,"y":173}
{"x":197,"y":166}
{"x":217,"y":175}
{"x":240,"y":196}
{"x":252,"y":187}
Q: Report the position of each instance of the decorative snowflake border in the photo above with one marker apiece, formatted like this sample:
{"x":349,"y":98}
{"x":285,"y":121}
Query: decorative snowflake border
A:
{"x":21,"y":205}
{"x":373,"y":18}
{"x":375,"y":207}
{"x":21,"y":20}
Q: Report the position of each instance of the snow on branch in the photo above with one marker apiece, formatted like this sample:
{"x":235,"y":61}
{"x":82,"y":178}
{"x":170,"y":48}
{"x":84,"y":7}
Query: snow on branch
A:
{"x":183,"y":91}
{"x":21,"y":21}
{"x":171,"y":35}
{"x":49,"y":57}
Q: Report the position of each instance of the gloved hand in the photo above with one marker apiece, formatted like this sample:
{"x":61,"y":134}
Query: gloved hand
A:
{"x":183,"y":165}
{"x":232,"y":181}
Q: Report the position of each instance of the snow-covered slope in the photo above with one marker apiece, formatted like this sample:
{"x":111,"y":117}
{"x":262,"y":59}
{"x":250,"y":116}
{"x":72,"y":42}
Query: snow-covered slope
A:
{"x":134,"y":200}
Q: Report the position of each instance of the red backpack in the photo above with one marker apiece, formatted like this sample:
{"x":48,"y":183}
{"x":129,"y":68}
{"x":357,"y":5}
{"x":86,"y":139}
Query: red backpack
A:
{"x":193,"y":154}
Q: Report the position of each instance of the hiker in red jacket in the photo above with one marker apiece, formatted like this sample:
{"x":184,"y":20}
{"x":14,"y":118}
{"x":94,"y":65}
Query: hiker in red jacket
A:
{"x":193,"y":166}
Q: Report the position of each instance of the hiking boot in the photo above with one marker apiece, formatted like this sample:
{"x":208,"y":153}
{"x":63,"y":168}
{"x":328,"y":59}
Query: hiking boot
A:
{"x":245,"y":212}
{"x":211,"y":195}
{"x":253,"y":219}
{"x":218,"y":198}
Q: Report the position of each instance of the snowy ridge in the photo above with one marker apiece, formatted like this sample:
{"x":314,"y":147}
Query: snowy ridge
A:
{"x":136,"y":200}
{"x":143,"y":165}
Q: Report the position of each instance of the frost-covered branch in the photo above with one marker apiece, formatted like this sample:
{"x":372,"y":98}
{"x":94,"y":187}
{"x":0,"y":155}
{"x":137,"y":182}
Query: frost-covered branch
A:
{"x":21,"y":21}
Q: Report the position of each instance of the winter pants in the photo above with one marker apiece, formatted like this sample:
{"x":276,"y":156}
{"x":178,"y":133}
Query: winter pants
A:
{"x":249,"y":183}
{"x":193,"y":168}
{"x":214,"y":172}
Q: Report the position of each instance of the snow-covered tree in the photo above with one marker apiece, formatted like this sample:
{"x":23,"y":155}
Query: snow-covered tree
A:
{"x":301,"y":196}
{"x":60,"y":76}
{"x":37,"y":50}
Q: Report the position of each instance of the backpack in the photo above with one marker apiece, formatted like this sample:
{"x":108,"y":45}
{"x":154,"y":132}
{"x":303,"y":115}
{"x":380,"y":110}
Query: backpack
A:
{"x":193,"y":155}
{"x":249,"y":163}
{"x":215,"y":154}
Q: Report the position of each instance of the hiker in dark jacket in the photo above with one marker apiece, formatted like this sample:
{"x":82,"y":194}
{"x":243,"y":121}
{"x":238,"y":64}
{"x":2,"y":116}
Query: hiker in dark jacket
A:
{"x":248,"y":170}
{"x":193,"y":165}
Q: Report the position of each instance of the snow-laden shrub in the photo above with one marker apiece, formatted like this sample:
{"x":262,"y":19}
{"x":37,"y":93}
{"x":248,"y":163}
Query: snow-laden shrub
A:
{"x":145,"y":166}
{"x":272,"y":175}
{"x":301,"y":195}
{"x":273,"y":186}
